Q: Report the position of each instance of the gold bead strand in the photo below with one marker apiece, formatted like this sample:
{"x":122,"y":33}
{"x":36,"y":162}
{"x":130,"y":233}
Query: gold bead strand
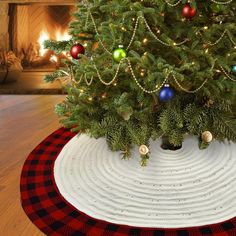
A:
{"x":86,"y":80}
{"x":114,"y":78}
{"x":184,"y":89}
{"x":96,"y":30}
{"x":222,"y":3}
{"x":75,"y":81}
{"x":154,"y":35}
{"x":139,"y":85}
{"x":230,"y":38}
{"x":159,"y":40}
{"x":173,"y":5}
{"x":227,"y":75}
{"x":218,"y":40}
{"x":134,"y":33}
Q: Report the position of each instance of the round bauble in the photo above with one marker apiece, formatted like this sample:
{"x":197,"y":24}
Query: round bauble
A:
{"x":207,"y":136}
{"x":76,"y":50}
{"x":216,"y":8}
{"x":119,"y":53}
{"x":234,"y":69}
{"x":166,"y":93}
{"x":143,"y":150}
{"x":188,"y":12}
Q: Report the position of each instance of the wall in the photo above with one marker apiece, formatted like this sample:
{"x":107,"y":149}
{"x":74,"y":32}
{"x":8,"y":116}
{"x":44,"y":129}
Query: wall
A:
{"x":22,"y":31}
{"x":4,"y":37}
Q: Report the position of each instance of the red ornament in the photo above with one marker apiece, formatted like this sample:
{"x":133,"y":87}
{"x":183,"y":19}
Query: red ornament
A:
{"x":188,"y":11}
{"x":76,"y":50}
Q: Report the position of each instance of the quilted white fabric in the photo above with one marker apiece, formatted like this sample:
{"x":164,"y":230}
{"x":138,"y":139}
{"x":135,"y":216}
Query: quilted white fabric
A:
{"x":182,"y":188}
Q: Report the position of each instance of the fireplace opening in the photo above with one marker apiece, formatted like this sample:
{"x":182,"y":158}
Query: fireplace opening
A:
{"x":24,"y":26}
{"x":32,"y":24}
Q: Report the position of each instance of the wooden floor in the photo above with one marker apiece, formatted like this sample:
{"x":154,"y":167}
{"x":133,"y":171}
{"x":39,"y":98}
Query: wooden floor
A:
{"x":32,"y":82}
{"x":24,"y":122}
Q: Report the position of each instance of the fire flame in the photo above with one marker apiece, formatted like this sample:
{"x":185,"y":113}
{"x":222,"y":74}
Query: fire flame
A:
{"x":59,"y":36}
{"x":62,"y":36}
{"x":43,"y":37}
{"x":54,"y":59}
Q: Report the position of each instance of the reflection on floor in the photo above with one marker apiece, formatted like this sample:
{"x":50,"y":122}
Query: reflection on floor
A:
{"x":32,"y":83}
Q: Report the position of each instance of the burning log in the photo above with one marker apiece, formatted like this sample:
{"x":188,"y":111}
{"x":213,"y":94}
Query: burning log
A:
{"x":42,"y":60}
{"x":37,"y":56}
{"x":29,"y":55}
{"x":32,"y":58}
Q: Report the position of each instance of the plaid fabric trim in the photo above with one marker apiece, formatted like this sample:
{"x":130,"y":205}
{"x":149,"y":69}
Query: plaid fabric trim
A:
{"x":53,"y":215}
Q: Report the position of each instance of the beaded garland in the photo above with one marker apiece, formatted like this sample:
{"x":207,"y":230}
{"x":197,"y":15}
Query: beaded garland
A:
{"x":157,"y":87}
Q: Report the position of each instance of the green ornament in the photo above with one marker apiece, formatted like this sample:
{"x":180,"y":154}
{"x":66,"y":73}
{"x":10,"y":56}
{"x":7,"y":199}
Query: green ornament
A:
{"x":119,"y":53}
{"x":216,"y":8}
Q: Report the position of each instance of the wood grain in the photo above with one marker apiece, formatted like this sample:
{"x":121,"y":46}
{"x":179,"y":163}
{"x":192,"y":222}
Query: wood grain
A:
{"x":24,"y":122}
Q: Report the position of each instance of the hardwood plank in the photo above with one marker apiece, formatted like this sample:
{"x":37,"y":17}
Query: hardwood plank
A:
{"x":24,"y":122}
{"x":9,"y":100}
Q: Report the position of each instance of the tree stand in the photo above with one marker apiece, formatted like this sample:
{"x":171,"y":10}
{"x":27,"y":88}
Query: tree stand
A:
{"x":166,"y":145}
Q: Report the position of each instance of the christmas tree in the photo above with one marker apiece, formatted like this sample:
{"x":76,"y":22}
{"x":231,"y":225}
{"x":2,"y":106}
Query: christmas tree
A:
{"x":144,"y":70}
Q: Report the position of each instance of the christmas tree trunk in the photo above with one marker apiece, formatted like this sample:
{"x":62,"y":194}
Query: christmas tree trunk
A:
{"x":166,"y":144}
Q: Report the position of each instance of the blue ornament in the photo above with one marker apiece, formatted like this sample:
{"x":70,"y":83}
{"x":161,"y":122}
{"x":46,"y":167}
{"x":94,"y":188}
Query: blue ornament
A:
{"x":234,"y":69}
{"x":166,"y":93}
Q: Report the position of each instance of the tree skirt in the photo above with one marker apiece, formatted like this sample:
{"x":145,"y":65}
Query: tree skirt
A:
{"x":91,"y":191}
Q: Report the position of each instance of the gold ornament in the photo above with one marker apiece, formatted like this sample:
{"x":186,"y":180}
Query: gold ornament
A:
{"x":143,"y":150}
{"x":207,"y":136}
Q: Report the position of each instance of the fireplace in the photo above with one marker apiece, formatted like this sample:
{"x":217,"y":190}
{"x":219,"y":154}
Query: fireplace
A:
{"x":30,"y":25}
{"x":24,"y":26}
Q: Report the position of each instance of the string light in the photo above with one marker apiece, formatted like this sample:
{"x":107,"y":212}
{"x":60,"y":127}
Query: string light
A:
{"x":142,"y":73}
{"x":134,"y":33}
{"x":157,"y":87}
{"x":155,"y":36}
{"x":104,"y":95}
{"x":145,"y":40}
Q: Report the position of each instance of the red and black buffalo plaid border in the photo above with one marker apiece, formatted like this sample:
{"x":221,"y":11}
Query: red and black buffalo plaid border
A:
{"x":53,"y":215}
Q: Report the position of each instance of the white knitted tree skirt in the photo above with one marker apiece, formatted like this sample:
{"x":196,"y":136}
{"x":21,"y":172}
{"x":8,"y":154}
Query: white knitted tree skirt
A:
{"x":182,"y":188}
